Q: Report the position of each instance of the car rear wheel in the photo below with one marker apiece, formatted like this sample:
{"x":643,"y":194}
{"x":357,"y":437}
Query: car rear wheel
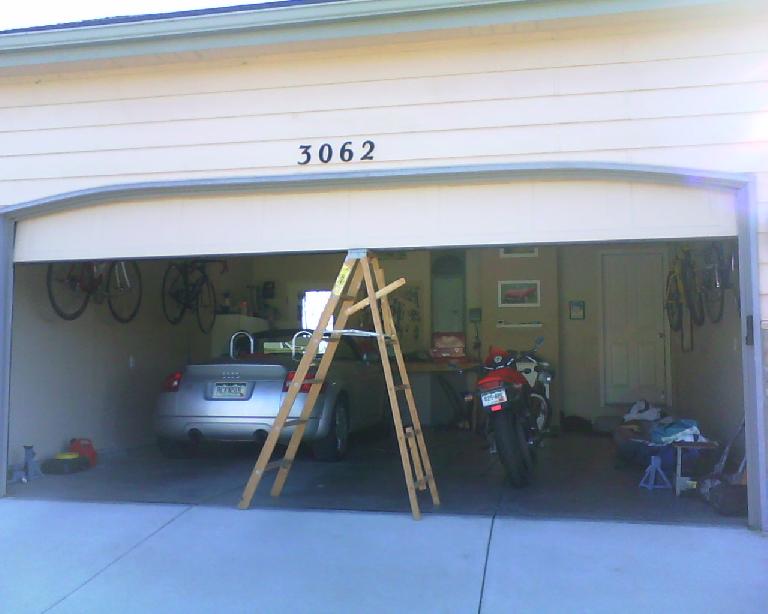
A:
{"x":333,"y":447}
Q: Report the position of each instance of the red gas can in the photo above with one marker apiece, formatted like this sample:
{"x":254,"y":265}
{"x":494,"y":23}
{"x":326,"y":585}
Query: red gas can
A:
{"x":84,"y":447}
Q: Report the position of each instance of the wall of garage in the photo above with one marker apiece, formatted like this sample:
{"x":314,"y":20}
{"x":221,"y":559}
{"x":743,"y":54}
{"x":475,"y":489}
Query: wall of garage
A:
{"x":580,"y":345}
{"x":707,"y":381}
{"x":92,"y":377}
{"x":485,"y":268}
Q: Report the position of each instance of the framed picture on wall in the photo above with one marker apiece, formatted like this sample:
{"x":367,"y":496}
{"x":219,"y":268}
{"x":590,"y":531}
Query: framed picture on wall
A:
{"x":577,"y":310}
{"x":518,"y":251}
{"x":520,"y":293}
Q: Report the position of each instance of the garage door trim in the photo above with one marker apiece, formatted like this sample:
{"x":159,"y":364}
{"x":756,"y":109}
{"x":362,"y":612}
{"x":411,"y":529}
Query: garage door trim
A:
{"x":743,"y":185}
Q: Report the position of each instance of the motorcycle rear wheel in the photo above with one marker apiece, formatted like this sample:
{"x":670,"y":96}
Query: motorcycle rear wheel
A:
{"x":512,"y":448}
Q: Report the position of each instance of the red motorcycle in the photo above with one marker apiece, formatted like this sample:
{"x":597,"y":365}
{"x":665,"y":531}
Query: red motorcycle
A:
{"x":505,"y":394}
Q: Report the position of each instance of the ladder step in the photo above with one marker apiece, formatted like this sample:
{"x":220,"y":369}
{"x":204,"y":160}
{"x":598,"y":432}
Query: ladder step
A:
{"x":306,"y":381}
{"x":294,"y":422}
{"x":278,"y":464}
{"x":403,"y":387}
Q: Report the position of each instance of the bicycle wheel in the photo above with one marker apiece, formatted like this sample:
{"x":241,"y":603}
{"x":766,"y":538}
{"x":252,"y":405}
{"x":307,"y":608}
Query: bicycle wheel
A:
{"x":124,"y":290}
{"x":206,"y":305}
{"x":673,"y":305}
{"x":65,"y":282}
{"x":173,"y":293}
{"x":693,"y":298}
{"x":714,"y":284}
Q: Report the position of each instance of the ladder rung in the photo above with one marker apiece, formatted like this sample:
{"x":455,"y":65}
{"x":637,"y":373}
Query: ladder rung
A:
{"x":306,"y":381}
{"x":278,"y":464}
{"x":295,"y":421}
{"x":421,"y":484}
{"x":403,"y":387}
{"x":347,"y":297}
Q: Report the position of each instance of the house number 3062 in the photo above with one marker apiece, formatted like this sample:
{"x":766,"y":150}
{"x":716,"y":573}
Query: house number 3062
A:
{"x":326,"y":152}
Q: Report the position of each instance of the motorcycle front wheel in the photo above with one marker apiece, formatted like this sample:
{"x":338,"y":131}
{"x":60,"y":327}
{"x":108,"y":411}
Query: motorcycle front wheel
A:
{"x":540,"y":415}
{"x":512,"y":447}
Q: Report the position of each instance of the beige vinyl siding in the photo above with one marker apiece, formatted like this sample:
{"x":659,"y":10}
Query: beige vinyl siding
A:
{"x":687,"y":92}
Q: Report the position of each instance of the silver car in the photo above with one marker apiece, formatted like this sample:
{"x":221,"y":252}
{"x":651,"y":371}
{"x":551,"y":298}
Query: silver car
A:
{"x":237,"y":399}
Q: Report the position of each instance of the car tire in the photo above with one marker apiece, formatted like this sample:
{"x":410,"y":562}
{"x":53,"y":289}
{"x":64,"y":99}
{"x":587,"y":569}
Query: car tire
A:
{"x":333,"y":447}
{"x":173,"y":448}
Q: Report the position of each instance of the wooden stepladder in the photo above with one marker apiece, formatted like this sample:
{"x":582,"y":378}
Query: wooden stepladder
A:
{"x":359,"y":267}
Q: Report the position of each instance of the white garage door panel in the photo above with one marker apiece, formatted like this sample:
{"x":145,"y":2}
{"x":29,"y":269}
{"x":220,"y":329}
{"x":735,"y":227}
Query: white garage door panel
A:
{"x":410,"y":216}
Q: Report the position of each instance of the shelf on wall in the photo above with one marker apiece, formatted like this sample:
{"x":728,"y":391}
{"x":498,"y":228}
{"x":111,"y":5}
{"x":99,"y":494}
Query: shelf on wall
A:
{"x":502,"y":324}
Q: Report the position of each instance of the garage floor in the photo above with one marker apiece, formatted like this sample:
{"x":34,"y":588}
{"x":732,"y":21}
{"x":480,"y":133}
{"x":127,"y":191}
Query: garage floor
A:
{"x":576,"y":478}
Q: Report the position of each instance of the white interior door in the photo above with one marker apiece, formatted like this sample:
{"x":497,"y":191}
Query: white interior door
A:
{"x":634,"y":343}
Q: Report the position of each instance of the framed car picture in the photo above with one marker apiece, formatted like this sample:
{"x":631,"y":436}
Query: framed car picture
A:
{"x":520,"y":293}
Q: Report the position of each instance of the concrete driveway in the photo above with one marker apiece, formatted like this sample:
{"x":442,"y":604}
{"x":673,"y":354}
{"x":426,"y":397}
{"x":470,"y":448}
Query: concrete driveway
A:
{"x":123,"y":557}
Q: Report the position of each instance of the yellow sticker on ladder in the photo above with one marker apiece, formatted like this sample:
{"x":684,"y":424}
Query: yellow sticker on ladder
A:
{"x":341,"y":280}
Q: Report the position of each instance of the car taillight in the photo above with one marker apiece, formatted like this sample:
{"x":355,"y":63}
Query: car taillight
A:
{"x":172,"y":382}
{"x":305,"y":386}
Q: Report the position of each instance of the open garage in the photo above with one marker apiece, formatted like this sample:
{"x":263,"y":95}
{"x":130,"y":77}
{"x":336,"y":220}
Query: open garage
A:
{"x":537,"y":180}
{"x":600,"y":306}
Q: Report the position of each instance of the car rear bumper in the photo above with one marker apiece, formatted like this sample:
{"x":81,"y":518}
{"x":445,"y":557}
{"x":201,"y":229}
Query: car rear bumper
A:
{"x":226,"y":429}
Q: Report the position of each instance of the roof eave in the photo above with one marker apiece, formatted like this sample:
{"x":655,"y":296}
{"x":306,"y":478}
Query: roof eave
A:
{"x":290,"y":24}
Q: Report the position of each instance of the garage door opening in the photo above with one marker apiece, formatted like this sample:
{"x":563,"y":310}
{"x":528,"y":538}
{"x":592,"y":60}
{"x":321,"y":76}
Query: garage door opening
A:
{"x":602,"y":309}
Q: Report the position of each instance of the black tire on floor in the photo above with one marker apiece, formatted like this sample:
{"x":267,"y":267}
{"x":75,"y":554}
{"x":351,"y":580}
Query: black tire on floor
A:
{"x":333,"y":447}
{"x":512,"y":448}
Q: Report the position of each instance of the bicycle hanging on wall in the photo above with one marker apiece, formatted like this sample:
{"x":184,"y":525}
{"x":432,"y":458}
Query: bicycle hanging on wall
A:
{"x":187,"y":287}
{"x":700,"y":293}
{"x":72,"y":285}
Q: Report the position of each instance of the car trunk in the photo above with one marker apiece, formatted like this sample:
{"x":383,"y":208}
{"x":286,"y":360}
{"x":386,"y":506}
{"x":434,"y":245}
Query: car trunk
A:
{"x":235,"y":389}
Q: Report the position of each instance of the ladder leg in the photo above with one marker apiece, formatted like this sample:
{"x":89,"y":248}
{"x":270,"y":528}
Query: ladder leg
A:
{"x":410,"y":436}
{"x":293,"y":390}
{"x":377,"y":324}
{"x":322,"y":372}
{"x":389,"y":323}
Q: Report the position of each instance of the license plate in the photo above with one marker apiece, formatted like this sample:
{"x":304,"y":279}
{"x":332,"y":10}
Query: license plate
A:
{"x":493,"y":397}
{"x":229,"y":390}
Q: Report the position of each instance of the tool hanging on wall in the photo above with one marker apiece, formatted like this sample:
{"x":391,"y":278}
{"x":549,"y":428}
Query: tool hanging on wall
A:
{"x":359,"y":266}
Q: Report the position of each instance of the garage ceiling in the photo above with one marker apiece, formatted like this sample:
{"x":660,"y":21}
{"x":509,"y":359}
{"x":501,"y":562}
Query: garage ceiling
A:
{"x":498,"y":213}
